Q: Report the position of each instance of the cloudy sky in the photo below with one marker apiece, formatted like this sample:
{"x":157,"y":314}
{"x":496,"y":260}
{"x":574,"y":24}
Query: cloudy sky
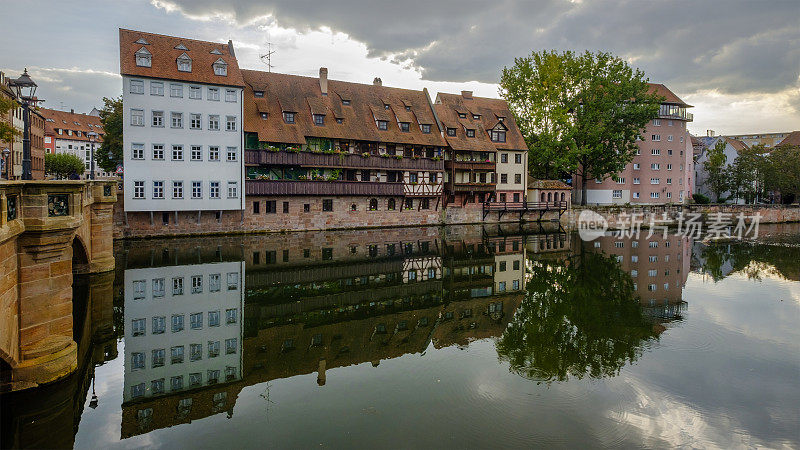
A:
{"x":737,"y":61}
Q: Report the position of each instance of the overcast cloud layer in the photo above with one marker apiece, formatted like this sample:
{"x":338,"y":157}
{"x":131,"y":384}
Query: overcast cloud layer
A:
{"x":738,"y":62}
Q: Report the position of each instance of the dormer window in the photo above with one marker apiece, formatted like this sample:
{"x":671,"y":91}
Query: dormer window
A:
{"x":462,"y":116}
{"x":142,"y":41}
{"x":383,"y":125}
{"x":339,"y":120}
{"x":144,"y":58}
{"x":425,"y":128}
{"x":216,"y":52}
{"x":470,"y":133}
{"x":404,"y":126}
{"x":498,"y":136}
{"x":181,"y":47}
{"x":220,"y":68}
{"x":408,"y":108}
{"x":288,"y":117}
{"x":258,"y":94}
{"x":346,"y":102}
{"x":264,"y":115}
{"x":451,"y":131}
{"x":385,"y":106}
{"x":319,"y":119}
{"x":475,"y":117}
{"x":184,"y":63}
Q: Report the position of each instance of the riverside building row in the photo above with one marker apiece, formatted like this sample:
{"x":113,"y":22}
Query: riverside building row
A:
{"x":209,"y":143}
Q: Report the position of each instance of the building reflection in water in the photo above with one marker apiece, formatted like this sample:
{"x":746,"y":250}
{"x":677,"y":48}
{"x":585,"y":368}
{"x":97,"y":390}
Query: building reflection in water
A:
{"x":205,"y":317}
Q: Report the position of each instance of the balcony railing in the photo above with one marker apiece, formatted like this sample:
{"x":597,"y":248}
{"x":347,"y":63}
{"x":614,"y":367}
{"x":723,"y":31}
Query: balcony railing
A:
{"x":294,"y":187}
{"x":467,"y":187}
{"x":469,"y":165}
{"x":343,"y":160}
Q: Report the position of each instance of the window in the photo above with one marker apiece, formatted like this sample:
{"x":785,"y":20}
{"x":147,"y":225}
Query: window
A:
{"x":176,"y":383}
{"x":177,"y":153}
{"x":184,"y":63}
{"x":197,"y":284}
{"x":158,"y":189}
{"x":286,"y":211}
{"x":230,"y":316}
{"x":213,"y":189}
{"x":176,"y":353}
{"x":195,"y":122}
{"x":620,"y":180}
{"x":635,"y":180}
{"x":425,"y":128}
{"x":137,"y":118}
{"x":655,"y":180}
{"x":655,"y":152}
{"x":319,"y":119}
{"x":195,"y":92}
{"x":156,"y":88}
{"x":655,"y":166}
{"x":404,"y":126}
{"x":158,"y":119}
{"x":137,"y":360}
{"x":656,"y":138}
{"x":196,"y":153}
{"x":617,"y":193}
{"x":213,"y":349}
{"x":195,"y":379}
{"x":654,"y":195}
{"x":498,"y":136}
{"x":138,"y":189}
{"x":657,"y":122}
{"x":213,"y":94}
{"x":159,"y":325}
{"x":137,"y":87}
{"x":233,"y":189}
{"x":669,"y":166}
{"x":504,"y":157}
{"x":470,"y":133}
{"x":230,"y":123}
{"x":451,"y":131}
{"x":197,"y":189}
{"x":158,"y":357}
{"x":220,"y":68}
{"x":195,"y":352}
{"x":143,"y":58}
{"x":669,"y":138}
{"x":288,"y":117}
{"x":158,"y":151}
{"x":138,"y":327}
{"x":213,"y":284}
{"x":176,"y":90}
{"x":230,"y":95}
{"x":213,"y":122}
{"x":231,"y":153}
{"x":636,"y":166}
{"x":327,"y":205}
{"x":230,"y":346}
{"x":383,"y":125}
{"x":176,"y":120}
{"x":669,"y":180}
{"x":177,"y":286}
{"x":233,"y":281}
{"x":137,"y":151}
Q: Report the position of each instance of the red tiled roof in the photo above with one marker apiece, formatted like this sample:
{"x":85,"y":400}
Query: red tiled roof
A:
{"x":792,"y":139}
{"x":164,"y":58}
{"x":547,"y":184}
{"x":669,"y":96}
{"x":490,"y":110}
{"x":303,"y":96}
{"x":736,"y":144}
{"x":66,"y":120}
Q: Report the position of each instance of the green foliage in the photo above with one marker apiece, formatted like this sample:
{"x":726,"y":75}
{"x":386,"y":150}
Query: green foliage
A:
{"x":747,"y":173}
{"x":7,"y":130}
{"x":579,"y":113}
{"x":783,"y":170}
{"x":580,"y":318}
{"x":701,"y":199}
{"x":111,"y":117}
{"x":718,"y":176}
{"x":63,"y":165}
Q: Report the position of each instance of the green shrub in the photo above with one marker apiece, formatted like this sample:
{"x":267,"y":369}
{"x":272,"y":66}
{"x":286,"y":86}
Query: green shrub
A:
{"x":700,"y":199}
{"x":63,"y":165}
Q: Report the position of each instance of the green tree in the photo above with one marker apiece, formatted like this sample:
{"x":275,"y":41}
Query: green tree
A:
{"x":63,"y":165}
{"x":580,"y":114}
{"x":111,"y":117}
{"x":718,"y":180}
{"x":783,"y":171}
{"x":7,"y":130}
{"x":747,"y":174}
{"x":580,"y":318}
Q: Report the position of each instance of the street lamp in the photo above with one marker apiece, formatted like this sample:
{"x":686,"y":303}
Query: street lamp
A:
{"x":92,"y":137}
{"x":4,"y":167}
{"x":26,"y":89}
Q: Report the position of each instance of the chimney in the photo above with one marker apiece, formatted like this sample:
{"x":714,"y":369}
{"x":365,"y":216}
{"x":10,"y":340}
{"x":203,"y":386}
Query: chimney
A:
{"x":710,"y":133}
{"x":230,"y":48}
{"x":467,"y":95}
{"x":377,"y":82}
{"x":323,"y":80}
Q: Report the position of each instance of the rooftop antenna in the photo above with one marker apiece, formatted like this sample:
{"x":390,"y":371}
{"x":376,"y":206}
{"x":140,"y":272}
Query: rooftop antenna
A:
{"x":266,"y":58}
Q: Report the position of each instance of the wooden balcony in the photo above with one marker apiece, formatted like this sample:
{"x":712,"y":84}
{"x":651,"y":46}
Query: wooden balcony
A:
{"x":470,"y":165}
{"x":341,"y":160}
{"x":331,"y":188}
{"x":470,"y":187}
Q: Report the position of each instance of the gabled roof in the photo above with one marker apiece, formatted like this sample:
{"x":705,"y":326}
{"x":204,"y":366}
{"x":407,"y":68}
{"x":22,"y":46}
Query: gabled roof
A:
{"x":165,"y":51}
{"x":303,"y":96}
{"x":490,"y":112}
{"x":669,"y":96}
{"x":66,"y":120}
{"x":792,"y":139}
{"x":736,"y":144}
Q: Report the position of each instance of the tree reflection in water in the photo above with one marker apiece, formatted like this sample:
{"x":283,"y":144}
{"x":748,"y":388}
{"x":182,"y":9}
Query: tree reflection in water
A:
{"x":581,"y":317}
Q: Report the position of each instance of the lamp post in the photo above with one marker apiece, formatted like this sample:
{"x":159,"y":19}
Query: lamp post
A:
{"x":26,"y":89}
{"x":4,"y":167}
{"x":92,"y":137}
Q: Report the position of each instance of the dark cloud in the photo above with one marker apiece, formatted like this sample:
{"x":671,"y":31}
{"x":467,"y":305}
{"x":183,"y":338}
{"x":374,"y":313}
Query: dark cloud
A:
{"x":735,"y":46}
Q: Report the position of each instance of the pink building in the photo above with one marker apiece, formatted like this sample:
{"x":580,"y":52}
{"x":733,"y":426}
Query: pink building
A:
{"x":662,"y":171}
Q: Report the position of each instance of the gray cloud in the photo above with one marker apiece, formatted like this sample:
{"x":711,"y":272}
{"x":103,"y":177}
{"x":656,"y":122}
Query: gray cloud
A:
{"x":72,"y":88}
{"x":734,"y":46}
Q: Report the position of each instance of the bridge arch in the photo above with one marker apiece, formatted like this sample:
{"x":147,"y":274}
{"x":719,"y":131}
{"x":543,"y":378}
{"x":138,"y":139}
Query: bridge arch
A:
{"x":80,"y":256}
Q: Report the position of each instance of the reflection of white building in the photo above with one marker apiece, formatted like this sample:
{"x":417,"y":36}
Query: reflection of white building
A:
{"x":509,"y":274}
{"x":183,"y":327}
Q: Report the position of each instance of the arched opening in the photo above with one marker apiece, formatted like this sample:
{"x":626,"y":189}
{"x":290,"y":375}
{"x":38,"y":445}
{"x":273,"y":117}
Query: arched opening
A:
{"x":549,"y":196}
{"x":373,"y":204}
{"x":80,"y":257}
{"x":562,"y":196}
{"x":543,"y":197}
{"x":390,"y":205}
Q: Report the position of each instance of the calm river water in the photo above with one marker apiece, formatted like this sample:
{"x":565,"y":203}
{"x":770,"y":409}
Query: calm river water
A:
{"x":468,"y":337}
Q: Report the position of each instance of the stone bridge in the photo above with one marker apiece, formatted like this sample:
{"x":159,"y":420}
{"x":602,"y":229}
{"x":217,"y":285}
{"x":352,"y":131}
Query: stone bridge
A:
{"x":49,"y":230}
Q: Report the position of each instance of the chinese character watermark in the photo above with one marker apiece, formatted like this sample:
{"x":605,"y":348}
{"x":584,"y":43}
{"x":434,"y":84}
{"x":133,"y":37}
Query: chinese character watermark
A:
{"x":719,"y":225}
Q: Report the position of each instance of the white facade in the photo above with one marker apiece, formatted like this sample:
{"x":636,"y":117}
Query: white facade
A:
{"x":182,"y":146}
{"x":82,"y":150}
{"x":512,"y":170}
{"x":183,"y":327}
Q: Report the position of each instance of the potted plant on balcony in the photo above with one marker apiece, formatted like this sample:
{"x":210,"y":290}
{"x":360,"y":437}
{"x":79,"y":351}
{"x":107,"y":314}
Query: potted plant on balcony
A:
{"x":365,"y":155}
{"x":293,"y":149}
